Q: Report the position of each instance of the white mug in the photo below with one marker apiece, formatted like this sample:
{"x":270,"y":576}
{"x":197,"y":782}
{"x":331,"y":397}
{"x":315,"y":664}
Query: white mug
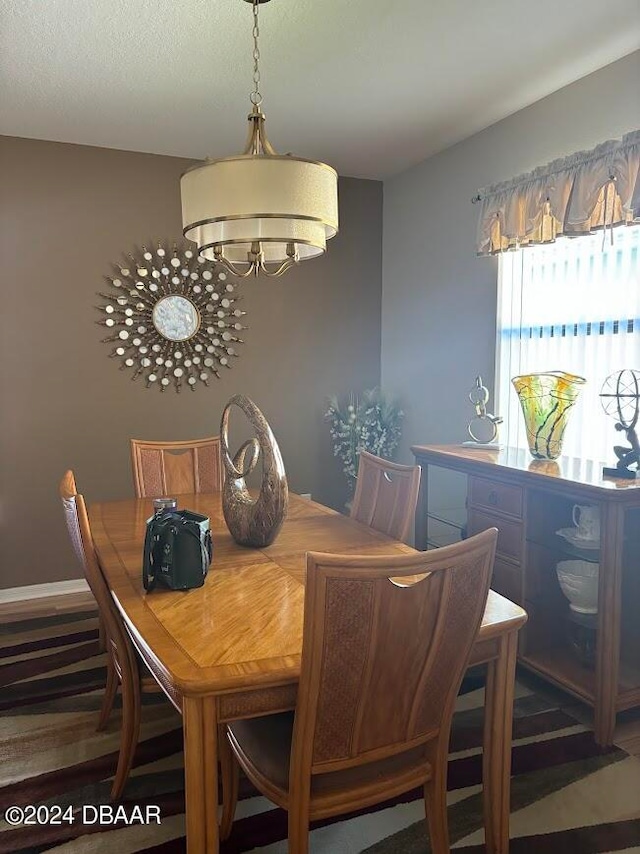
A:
{"x":586,"y":518}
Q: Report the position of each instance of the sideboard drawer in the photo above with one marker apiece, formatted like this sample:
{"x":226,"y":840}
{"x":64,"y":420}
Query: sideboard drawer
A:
{"x":509,"y":533}
{"x":495,"y":496}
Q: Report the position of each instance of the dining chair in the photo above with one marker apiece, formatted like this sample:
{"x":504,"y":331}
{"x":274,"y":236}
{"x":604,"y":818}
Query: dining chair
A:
{"x":386,"y":642}
{"x":386,"y":495}
{"x":173,"y":468}
{"x":123,"y":666}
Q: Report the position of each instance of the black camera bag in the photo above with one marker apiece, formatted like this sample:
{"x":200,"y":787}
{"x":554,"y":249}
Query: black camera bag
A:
{"x":177,"y":550}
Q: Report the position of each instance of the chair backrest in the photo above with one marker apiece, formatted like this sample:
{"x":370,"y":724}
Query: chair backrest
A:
{"x":77,"y":520}
{"x":386,"y":495}
{"x":174,"y":468}
{"x":383,"y":655}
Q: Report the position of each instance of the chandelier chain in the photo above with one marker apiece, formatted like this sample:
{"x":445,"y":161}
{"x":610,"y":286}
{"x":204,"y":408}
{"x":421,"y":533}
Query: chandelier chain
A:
{"x":256,"y":97}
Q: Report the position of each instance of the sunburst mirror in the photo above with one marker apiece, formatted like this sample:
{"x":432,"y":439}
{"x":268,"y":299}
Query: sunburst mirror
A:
{"x":174,"y":317}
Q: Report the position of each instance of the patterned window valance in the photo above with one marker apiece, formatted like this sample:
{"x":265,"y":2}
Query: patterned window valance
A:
{"x":571,"y":196}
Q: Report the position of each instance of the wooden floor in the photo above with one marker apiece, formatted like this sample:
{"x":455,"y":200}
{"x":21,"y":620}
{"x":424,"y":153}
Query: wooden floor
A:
{"x":627,"y":734}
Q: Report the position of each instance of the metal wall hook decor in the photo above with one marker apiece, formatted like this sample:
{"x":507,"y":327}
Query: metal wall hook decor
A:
{"x":253,"y":521}
{"x":174,"y":317}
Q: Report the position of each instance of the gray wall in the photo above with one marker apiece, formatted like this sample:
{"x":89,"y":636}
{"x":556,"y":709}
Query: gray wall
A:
{"x":438,"y":298}
{"x":66,"y":214}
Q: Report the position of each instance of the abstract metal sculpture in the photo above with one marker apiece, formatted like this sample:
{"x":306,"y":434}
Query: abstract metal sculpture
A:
{"x":483,"y":428}
{"x":253,"y":521}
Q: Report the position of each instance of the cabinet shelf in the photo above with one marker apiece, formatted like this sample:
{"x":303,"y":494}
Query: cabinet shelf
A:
{"x":565,"y":549}
{"x":445,"y":526}
{"x":559,"y":665}
{"x":456,"y":518}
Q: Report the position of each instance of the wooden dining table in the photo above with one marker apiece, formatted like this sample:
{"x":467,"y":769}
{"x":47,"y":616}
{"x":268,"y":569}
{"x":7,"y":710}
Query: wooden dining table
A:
{"x":231,"y":649}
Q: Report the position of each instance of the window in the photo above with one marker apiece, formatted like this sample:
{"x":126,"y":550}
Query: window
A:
{"x":572,"y":305}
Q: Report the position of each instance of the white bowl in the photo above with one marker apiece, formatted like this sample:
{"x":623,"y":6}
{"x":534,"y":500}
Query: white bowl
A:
{"x":579,"y":582}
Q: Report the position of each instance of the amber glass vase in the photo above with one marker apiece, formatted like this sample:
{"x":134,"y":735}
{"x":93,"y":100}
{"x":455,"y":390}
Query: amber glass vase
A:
{"x":546,"y":401}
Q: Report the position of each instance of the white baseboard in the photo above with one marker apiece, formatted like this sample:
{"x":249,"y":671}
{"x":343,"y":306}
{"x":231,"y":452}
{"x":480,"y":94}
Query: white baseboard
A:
{"x":41,"y":591}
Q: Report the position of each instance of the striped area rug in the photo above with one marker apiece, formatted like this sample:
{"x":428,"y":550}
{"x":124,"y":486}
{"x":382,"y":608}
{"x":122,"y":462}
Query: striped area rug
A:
{"x":568,"y":796}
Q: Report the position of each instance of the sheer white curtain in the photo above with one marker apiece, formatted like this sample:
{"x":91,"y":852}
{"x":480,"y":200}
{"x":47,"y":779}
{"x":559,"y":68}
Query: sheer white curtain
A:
{"x":572,"y":305}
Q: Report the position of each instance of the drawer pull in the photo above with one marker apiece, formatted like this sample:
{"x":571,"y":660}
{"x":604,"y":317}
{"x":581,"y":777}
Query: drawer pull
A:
{"x":493,"y":498}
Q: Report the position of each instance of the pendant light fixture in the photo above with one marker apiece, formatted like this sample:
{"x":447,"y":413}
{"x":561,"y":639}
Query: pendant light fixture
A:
{"x":259,"y":211}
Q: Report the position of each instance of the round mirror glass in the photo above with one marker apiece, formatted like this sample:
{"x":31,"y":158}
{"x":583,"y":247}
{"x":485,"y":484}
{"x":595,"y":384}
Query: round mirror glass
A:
{"x":176,"y":318}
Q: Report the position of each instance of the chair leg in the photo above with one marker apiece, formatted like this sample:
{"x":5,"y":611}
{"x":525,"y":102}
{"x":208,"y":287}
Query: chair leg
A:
{"x":229,"y":776}
{"x":110,"y":691}
{"x":130,"y":732}
{"x":298,"y":832}
{"x":435,"y":799}
{"x":102,"y":634}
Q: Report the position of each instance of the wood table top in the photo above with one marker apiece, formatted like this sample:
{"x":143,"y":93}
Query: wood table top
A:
{"x":244,"y":626}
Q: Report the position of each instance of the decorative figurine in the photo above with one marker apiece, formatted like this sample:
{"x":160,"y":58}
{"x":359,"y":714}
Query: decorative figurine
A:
{"x":620,"y":397}
{"x":253,"y":521}
{"x":483,"y":428}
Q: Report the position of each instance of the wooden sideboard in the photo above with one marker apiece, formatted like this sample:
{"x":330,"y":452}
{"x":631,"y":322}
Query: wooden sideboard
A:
{"x":528,"y":501}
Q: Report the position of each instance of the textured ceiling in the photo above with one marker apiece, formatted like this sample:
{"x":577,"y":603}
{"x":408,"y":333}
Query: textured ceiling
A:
{"x":370,"y":87}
